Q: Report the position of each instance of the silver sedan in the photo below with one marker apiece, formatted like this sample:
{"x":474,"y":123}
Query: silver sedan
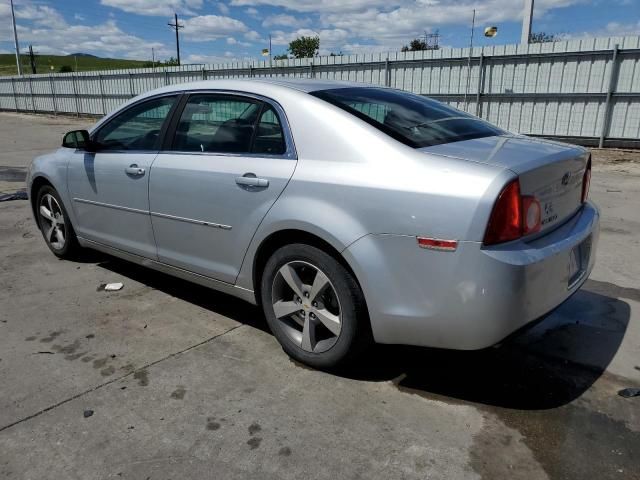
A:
{"x":351,"y":213}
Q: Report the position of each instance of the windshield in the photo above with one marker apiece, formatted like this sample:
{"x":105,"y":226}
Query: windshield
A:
{"x":412,"y":119}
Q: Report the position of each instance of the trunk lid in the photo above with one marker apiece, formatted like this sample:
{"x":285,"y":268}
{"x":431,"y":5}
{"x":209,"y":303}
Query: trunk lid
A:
{"x":550,"y":171}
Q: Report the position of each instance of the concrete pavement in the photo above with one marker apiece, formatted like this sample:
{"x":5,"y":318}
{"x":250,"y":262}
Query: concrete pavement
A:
{"x":184,"y":382}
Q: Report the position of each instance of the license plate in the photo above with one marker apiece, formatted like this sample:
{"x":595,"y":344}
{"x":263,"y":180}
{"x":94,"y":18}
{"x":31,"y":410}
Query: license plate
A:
{"x":578,"y":261}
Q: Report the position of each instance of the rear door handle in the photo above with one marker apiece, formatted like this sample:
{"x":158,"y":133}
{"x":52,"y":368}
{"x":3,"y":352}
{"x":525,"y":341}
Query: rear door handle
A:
{"x":134,"y":170}
{"x":250,"y":180}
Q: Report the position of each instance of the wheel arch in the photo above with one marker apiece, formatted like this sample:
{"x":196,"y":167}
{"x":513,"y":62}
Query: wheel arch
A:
{"x":36,"y":184}
{"x":289,"y":236}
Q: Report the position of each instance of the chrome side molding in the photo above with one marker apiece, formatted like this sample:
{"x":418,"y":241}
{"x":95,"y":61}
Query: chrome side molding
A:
{"x":109,"y":205}
{"x":191,"y":220}
{"x":156,"y":214}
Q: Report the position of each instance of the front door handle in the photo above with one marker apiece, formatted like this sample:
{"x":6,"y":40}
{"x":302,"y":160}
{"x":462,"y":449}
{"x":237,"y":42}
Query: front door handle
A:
{"x":250,"y":180}
{"x":134,"y":170}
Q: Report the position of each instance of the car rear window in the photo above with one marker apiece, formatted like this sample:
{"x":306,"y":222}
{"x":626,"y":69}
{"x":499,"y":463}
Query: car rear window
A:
{"x":412,"y":119}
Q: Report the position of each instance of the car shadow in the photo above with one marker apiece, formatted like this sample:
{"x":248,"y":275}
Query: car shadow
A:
{"x":195,"y":294}
{"x":87,"y":255}
{"x":545,"y":367}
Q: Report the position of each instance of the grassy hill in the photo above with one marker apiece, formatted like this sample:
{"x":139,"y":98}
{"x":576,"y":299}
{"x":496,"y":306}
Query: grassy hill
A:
{"x":85,"y":63}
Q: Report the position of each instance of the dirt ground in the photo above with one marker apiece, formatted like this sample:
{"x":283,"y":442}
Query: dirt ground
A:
{"x":606,"y":156}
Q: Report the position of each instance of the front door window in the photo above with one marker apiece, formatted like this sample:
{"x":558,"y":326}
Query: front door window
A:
{"x":137,"y":128}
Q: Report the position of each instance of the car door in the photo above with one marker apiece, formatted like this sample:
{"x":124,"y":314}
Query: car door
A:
{"x":110,"y":187}
{"x":230,"y":158}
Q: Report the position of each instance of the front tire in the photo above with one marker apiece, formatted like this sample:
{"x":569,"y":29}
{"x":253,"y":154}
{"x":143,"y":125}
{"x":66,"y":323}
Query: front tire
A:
{"x":54,"y":223}
{"x":314,"y":306}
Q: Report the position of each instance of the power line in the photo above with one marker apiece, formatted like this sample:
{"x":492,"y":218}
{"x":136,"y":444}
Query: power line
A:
{"x":177,"y":26}
{"x":89,"y":13}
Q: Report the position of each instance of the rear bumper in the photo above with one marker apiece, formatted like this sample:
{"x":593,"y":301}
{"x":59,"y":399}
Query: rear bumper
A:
{"x":471,"y":298}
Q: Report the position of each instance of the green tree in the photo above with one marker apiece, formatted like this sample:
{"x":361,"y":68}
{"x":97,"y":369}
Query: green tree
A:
{"x":282,"y":56}
{"x":543,"y":37}
{"x":304,"y":47}
{"x":171,"y":62}
{"x":418,"y":44}
{"x":65,"y":69}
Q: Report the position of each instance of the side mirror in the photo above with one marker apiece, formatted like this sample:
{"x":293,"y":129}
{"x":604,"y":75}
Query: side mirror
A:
{"x":78,"y":139}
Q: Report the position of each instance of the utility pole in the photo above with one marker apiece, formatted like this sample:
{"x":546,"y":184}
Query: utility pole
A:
{"x":527,"y":20}
{"x":15,"y":38}
{"x":153,"y":58}
{"x":177,"y":26}
{"x":32,"y":60}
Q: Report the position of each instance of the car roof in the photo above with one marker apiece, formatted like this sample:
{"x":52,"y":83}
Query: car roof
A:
{"x":274,"y":87}
{"x":299,"y":84}
{"x":311,"y":85}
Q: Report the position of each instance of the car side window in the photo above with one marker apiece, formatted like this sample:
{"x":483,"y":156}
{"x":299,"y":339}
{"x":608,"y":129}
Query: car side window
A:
{"x":269,"y":137}
{"x":217,"y":124}
{"x":137,"y":128}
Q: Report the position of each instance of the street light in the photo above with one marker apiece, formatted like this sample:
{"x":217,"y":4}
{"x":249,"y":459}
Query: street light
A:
{"x":490,"y":32}
{"x":473,"y":26}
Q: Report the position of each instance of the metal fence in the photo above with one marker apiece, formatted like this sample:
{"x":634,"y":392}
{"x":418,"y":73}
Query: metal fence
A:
{"x":587,"y":90}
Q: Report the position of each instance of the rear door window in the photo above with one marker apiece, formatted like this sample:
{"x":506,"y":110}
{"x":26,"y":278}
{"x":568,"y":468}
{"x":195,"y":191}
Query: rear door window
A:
{"x":412,"y":119}
{"x":217,"y":124}
{"x":269,"y":137}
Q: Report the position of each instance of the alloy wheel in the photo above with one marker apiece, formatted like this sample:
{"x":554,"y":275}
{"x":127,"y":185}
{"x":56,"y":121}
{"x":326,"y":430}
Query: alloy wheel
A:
{"x":53,"y":225}
{"x":306,"y":304}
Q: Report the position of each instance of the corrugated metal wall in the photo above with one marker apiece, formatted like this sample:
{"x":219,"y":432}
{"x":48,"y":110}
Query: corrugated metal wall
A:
{"x":586,"y":89}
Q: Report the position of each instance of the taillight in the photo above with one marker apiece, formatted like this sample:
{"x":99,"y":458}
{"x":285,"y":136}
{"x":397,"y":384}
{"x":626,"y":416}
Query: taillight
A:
{"x":513,"y":216}
{"x":506,"y":218}
{"x":586,"y":181}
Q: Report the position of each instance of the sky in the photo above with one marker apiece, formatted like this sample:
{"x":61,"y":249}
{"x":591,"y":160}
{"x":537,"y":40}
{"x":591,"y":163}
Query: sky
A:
{"x":234,"y":30}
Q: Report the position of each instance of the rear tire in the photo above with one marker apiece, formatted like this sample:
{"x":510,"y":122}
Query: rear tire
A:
{"x":54,"y":223}
{"x":314,"y":307}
